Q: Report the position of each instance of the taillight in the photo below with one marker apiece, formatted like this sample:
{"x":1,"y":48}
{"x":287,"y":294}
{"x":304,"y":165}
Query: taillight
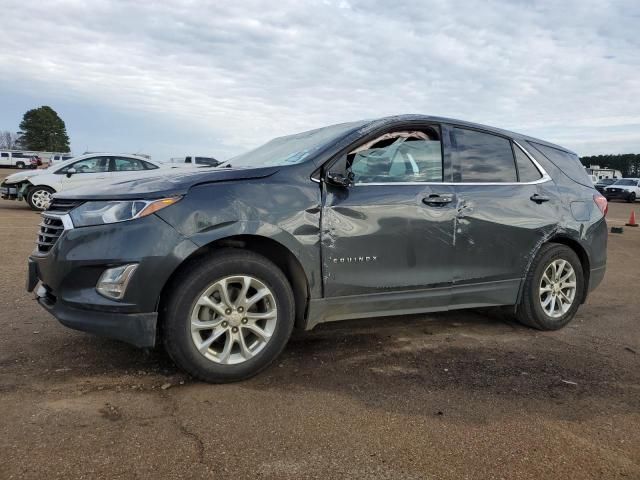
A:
{"x":602,"y":203}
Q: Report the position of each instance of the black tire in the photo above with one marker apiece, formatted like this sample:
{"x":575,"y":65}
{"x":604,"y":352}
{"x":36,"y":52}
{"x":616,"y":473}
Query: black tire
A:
{"x":20,"y":165}
{"x":187,"y":288}
{"x":632,"y":197}
{"x":33,"y":191}
{"x":530,"y":312}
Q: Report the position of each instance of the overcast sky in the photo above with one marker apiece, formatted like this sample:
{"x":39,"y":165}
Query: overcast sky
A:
{"x":216,"y":78}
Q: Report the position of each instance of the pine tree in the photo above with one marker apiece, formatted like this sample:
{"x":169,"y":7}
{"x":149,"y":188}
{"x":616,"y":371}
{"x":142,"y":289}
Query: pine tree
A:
{"x":43,"y":130}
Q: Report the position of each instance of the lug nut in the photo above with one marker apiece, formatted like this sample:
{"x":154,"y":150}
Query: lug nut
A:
{"x":244,"y":320}
{"x":240,"y":309}
{"x":234,"y":329}
{"x":228,"y":311}
{"x":225,"y":324}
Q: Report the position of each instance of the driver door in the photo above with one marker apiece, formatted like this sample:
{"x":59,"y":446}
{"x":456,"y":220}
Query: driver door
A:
{"x":390,"y":233}
{"x":85,"y":172}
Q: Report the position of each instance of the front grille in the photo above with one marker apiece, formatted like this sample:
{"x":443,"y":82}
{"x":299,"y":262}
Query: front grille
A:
{"x":51,"y":228}
{"x":62,"y":206}
{"x":52,"y":224}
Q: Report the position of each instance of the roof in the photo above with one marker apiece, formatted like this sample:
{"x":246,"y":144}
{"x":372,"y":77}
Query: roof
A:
{"x":379,"y":122}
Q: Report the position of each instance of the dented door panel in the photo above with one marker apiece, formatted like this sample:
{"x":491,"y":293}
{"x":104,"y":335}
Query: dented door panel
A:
{"x":498,"y":229}
{"x":385,"y":238}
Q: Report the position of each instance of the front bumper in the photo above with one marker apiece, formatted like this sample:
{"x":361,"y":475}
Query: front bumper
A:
{"x":69,"y":272}
{"x":138,"y":329}
{"x":13,"y":191}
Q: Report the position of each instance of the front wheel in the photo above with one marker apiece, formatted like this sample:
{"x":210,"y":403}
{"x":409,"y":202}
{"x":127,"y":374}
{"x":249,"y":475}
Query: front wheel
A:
{"x":553,"y":289}
{"x":39,"y":198}
{"x":20,"y":165}
{"x":228,"y":317}
{"x":632,"y":197}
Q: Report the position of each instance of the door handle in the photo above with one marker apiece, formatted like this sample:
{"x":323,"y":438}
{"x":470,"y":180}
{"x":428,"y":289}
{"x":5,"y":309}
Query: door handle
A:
{"x":437,"y":200}
{"x":539,"y":198}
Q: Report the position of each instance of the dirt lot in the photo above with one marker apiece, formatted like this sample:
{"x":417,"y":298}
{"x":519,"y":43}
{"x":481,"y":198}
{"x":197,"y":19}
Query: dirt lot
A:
{"x":456,"y":395}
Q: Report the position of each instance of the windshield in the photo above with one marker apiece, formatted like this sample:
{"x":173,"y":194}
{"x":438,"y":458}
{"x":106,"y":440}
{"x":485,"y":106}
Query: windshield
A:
{"x":291,"y":149}
{"x":626,"y":182}
{"x":606,"y":181}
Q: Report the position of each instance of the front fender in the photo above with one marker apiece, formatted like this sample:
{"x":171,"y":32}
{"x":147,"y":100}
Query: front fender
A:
{"x":304,"y":247}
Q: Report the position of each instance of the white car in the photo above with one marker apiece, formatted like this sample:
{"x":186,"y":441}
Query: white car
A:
{"x":626,"y":188}
{"x":37,"y":186}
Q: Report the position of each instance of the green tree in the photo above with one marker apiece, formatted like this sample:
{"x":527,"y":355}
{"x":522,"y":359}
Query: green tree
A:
{"x":627,"y":163}
{"x":42,"y":129}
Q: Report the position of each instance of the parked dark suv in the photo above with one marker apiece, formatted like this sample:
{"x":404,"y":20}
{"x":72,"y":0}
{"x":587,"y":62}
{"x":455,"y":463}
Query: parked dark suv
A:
{"x":401,"y":215}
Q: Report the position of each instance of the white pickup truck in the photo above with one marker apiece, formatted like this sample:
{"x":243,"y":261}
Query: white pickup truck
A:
{"x":18,"y":159}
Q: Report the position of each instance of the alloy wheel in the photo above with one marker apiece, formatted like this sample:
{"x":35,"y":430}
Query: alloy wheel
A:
{"x":557,"y":288}
{"x":233,"y":319}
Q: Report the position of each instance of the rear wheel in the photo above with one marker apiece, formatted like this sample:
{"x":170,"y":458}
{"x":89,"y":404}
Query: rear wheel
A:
{"x":39,"y":198}
{"x":228,"y":317}
{"x":553,"y":289}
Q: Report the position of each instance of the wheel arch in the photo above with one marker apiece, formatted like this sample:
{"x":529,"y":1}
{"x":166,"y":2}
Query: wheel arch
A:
{"x":582,"y":254}
{"x":269,"y":248}
{"x":579,"y":250}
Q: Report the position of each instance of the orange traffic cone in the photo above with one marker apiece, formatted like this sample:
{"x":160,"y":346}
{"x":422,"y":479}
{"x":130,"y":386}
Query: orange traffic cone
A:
{"x":632,"y":220}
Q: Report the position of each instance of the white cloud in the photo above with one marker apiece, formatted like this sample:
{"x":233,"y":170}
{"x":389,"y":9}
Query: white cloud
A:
{"x":247,"y":71}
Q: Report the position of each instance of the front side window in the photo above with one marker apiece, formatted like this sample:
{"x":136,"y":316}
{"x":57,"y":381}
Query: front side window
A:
{"x":527,"y":171}
{"x":88,"y":165}
{"x":483,"y":157}
{"x":5,"y":155}
{"x":398,"y":157}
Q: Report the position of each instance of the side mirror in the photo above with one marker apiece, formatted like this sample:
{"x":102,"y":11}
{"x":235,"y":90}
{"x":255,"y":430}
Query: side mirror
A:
{"x":71,"y":171}
{"x":339,"y":179}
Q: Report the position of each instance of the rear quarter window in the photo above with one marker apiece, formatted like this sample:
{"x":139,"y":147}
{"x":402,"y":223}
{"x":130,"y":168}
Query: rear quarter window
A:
{"x":568,"y":162}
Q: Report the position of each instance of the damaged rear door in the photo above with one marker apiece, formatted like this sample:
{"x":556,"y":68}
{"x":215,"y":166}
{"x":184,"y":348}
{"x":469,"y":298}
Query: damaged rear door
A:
{"x":391,"y":230}
{"x":506,"y":206}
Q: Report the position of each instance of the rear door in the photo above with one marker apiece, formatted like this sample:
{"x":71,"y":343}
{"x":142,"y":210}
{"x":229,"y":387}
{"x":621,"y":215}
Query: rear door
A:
{"x":506,"y":206}
{"x":391,"y":231}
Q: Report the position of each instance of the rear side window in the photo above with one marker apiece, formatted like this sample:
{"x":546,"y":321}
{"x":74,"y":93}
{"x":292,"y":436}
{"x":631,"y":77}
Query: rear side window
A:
{"x":128,"y":165}
{"x":149,"y":166}
{"x":482,"y":157}
{"x":569,"y":163}
{"x":527,"y":171}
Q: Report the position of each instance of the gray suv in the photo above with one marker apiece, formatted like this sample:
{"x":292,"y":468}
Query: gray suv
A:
{"x":401,"y":215}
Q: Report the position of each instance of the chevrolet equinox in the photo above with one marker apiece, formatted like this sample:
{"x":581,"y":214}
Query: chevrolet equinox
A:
{"x":400,"y":215}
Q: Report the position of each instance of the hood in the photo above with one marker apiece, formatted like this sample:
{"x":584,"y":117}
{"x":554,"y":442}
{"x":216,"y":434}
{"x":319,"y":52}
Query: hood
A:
{"x":25,"y":175}
{"x":164,"y":184}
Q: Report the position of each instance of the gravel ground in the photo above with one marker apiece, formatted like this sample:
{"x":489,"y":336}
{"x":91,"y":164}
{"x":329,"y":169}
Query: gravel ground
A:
{"x":456,"y":395}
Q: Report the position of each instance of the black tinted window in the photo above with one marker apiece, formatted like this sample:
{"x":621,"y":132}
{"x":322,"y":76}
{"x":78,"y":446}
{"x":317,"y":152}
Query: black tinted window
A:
{"x":527,"y":171}
{"x":207,"y":161}
{"x":149,"y":166}
{"x":568,"y":162}
{"x":5,"y":154}
{"x":482,"y":157}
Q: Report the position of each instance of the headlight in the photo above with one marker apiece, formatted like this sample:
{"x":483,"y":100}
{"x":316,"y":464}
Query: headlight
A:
{"x":99,"y":213}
